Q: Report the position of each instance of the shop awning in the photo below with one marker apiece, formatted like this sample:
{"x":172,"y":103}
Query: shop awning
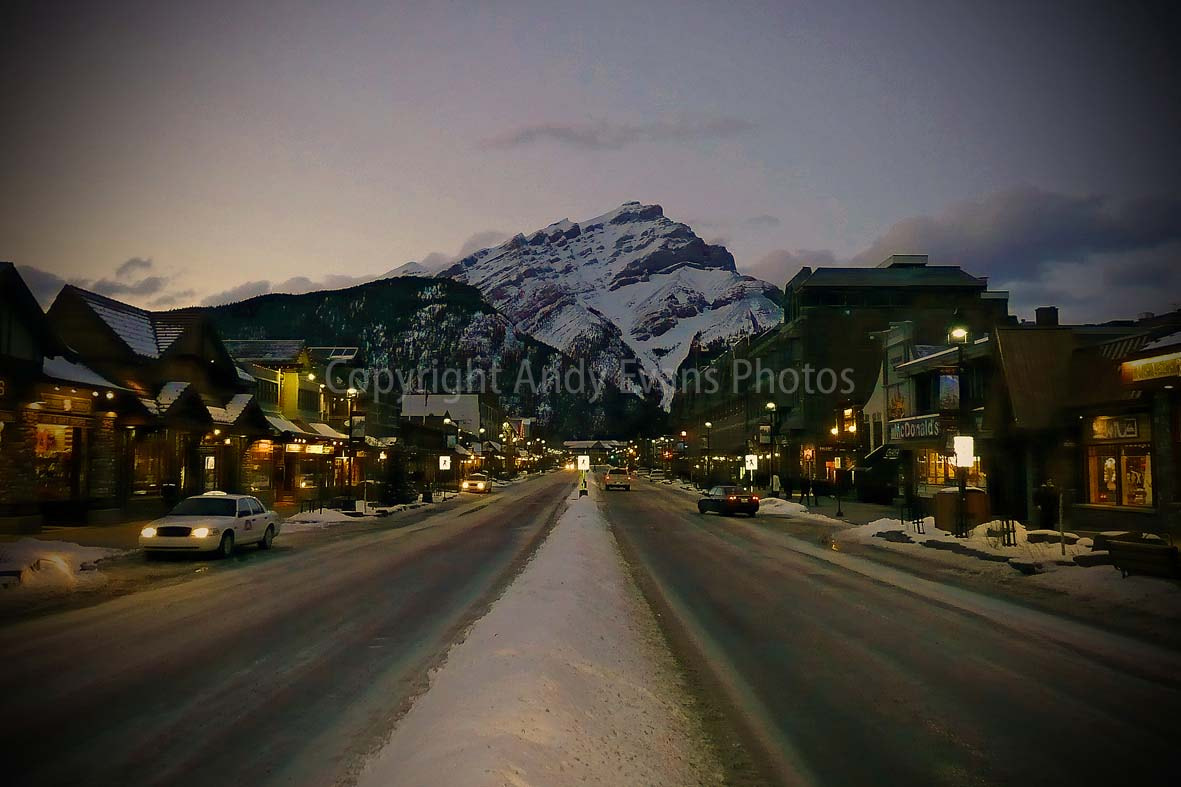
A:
{"x":883,"y":453}
{"x":283,"y":426}
{"x":324,"y":430}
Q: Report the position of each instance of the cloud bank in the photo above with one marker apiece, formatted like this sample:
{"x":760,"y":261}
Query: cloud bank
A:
{"x":1097,"y":256}
{"x":602,"y":135}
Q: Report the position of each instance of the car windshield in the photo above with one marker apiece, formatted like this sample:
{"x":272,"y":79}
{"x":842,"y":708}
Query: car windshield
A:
{"x":477,"y":477}
{"x":206,"y":506}
{"x":732,"y":490}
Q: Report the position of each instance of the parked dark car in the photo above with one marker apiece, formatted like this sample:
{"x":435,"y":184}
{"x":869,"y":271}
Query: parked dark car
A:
{"x":728,"y":500}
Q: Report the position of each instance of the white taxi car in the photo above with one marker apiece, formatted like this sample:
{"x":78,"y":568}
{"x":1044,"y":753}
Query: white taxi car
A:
{"x":476,"y":482}
{"x":212,"y":522}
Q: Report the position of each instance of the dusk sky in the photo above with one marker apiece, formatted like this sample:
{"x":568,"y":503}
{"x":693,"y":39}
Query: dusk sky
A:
{"x":166,"y":153}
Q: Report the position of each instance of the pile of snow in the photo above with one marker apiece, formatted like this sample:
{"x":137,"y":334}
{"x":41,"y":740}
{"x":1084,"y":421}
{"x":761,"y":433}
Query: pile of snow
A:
{"x":320,"y":519}
{"x":52,"y":565}
{"x":565,"y":681}
{"x":984,"y":539}
{"x":774,"y":506}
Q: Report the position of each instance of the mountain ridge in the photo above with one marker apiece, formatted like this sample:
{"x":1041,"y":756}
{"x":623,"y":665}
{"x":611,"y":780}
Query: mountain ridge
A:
{"x":630,"y":287}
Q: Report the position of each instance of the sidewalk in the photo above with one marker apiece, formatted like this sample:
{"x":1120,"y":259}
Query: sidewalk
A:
{"x":124,"y":535}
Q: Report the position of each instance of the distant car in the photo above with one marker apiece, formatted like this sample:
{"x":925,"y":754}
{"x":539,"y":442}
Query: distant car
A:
{"x":728,"y":500}
{"x":476,"y":482}
{"x":617,"y":478}
{"x":212,"y":522}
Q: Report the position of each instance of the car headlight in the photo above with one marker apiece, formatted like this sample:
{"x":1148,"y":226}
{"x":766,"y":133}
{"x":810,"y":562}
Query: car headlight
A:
{"x":480,"y":485}
{"x":148,"y":532}
{"x":203,"y":532}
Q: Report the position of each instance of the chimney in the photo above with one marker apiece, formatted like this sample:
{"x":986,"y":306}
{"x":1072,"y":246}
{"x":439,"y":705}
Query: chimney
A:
{"x":1046,"y":316}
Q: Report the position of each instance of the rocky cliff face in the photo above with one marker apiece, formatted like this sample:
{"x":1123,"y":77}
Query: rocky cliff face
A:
{"x":629,"y":291}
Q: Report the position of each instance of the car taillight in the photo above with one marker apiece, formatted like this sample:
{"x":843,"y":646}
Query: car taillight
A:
{"x":754,"y":498}
{"x":731,"y":497}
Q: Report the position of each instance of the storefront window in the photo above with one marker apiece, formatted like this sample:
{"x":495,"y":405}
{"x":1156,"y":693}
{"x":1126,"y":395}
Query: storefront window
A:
{"x":257,"y":467}
{"x":934,"y":469}
{"x":54,"y":459}
{"x":1120,"y":475}
{"x":148,"y":464}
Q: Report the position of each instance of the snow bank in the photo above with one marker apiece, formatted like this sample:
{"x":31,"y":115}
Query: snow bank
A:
{"x":318,"y":520}
{"x":984,"y":540}
{"x":51,"y":565}
{"x":565,"y":681}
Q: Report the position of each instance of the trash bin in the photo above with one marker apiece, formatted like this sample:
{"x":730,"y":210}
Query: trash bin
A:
{"x":947,"y":506}
{"x":427,"y":497}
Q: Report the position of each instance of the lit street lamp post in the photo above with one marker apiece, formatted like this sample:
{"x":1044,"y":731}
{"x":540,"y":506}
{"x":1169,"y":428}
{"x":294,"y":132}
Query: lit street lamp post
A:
{"x":351,"y":395}
{"x":708,"y":474}
{"x":963,"y":443}
{"x":771,"y":412}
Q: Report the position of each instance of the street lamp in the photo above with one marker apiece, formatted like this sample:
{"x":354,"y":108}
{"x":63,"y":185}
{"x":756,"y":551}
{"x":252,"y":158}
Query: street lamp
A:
{"x":962,"y":443}
{"x":351,"y":395}
{"x":772,"y":411}
{"x":708,"y":469}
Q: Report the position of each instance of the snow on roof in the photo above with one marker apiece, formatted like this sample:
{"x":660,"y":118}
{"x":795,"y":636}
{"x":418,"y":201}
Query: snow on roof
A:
{"x":132,"y":325}
{"x":232,"y":411}
{"x":170,"y":393}
{"x":147,"y":333}
{"x":1162,"y":342}
{"x":58,"y":368}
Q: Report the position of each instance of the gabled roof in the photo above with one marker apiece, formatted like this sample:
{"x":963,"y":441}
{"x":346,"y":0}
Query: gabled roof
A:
{"x":148,"y":334}
{"x":232,"y":411}
{"x":179,"y":396}
{"x":28,"y":311}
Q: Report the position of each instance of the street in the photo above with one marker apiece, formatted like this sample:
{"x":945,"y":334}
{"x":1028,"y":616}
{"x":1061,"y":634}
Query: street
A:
{"x":836,"y":678}
{"x":799,"y":665}
{"x":267,"y":668}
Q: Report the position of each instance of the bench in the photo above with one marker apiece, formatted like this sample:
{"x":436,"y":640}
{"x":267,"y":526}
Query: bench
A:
{"x":1156,"y":560}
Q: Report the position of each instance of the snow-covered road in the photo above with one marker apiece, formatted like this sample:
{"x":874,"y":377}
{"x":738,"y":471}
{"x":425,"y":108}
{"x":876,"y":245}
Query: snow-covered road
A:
{"x":566,"y":680}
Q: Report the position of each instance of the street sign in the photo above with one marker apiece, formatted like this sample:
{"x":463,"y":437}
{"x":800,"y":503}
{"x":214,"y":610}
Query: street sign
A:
{"x":584,"y":463}
{"x":752,"y":462}
{"x":444,"y":462}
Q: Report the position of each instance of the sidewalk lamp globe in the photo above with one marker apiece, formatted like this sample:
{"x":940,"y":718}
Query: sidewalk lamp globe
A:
{"x":958,"y":334}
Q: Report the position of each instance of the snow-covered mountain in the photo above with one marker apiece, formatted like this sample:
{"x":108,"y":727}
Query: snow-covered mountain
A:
{"x":630,"y":284}
{"x":411,"y":268}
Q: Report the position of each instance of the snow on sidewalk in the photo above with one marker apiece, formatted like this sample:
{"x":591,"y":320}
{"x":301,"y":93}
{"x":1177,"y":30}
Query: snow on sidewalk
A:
{"x":328,"y":517}
{"x":37,"y":565}
{"x":566,"y":680}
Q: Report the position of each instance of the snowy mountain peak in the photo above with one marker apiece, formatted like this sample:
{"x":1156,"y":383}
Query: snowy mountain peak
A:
{"x":629,"y":284}
{"x":407,"y":269}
